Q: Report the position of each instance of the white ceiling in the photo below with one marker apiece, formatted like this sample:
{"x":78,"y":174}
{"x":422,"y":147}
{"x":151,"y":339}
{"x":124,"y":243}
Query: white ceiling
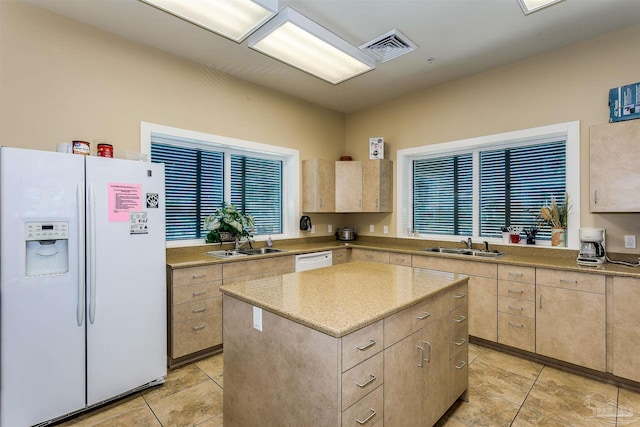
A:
{"x":463,"y":36}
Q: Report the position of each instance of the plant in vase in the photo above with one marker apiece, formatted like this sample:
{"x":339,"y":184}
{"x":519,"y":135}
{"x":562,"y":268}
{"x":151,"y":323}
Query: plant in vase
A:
{"x":228,"y":224}
{"x":555,"y":215}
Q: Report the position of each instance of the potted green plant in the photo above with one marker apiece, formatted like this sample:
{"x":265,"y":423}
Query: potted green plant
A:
{"x":556,"y":215}
{"x":228,"y":224}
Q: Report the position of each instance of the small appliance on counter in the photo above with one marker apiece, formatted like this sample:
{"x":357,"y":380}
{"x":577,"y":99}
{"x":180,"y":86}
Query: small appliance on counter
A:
{"x":592,"y":247}
{"x":346,"y":234}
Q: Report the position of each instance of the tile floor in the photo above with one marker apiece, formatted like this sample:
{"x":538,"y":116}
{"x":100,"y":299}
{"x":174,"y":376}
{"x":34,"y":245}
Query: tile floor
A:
{"x":504,"y":390}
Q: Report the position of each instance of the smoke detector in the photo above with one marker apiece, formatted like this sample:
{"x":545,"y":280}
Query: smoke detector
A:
{"x":388,"y":46}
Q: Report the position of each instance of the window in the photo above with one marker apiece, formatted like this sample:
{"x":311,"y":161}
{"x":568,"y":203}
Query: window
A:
{"x":474,"y":187}
{"x":204,"y":171}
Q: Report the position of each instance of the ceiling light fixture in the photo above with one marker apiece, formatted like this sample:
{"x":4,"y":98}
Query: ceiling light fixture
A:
{"x":530,"y":6}
{"x":296,"y":40}
{"x":234,"y":19}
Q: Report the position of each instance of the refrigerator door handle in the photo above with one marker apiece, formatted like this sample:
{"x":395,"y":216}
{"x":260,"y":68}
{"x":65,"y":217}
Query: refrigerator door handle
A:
{"x":92,"y":254}
{"x":81,"y":279}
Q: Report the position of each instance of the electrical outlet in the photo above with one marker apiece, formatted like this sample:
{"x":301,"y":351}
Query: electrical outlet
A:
{"x":371,"y":228}
{"x":257,"y":318}
{"x":330,"y":228}
{"x":630,"y":242}
{"x":313,"y":229}
{"x":385,"y":229}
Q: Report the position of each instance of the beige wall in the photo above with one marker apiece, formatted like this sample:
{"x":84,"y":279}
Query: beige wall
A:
{"x":61,"y":80}
{"x":565,"y":85}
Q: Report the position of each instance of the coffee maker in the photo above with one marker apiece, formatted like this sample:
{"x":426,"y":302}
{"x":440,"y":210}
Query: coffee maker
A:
{"x":592,"y":247}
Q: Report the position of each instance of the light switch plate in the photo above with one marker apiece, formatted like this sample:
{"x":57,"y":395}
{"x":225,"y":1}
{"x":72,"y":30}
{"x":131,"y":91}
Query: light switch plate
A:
{"x":371,"y":228}
{"x":257,"y":318}
{"x":329,"y":228}
{"x":385,"y":229}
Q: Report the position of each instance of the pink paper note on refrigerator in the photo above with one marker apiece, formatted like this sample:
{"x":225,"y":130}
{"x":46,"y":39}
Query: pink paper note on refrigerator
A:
{"x":123,"y":198}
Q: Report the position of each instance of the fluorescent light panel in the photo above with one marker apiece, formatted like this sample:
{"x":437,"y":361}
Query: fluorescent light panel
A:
{"x":234,"y":19}
{"x":296,"y":40}
{"x":530,"y":6}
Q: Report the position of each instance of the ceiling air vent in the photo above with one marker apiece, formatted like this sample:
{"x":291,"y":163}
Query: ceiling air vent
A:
{"x":388,"y":46}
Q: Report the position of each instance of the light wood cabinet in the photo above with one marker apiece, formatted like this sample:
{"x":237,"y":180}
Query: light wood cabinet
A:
{"x":516,"y":307}
{"x":483,"y":291}
{"x":349,"y":186}
{"x":626,"y":328}
{"x":614,"y":176}
{"x":195,"y":312}
{"x":318,"y":186}
{"x":571,"y":317}
{"x":358,"y":254}
{"x":339,"y":256}
{"x":377,"y":184}
{"x":241,"y":271}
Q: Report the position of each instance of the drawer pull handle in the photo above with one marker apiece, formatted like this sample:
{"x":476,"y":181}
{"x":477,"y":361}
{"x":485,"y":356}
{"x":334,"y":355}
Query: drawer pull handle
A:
{"x":371,"y":379}
{"x":515,"y":291}
{"x":515,"y":274}
{"x":197,"y":294}
{"x":424,"y":316}
{"x":571,"y":282}
{"x":373,"y":414}
{"x":516,"y":325}
{"x":511,"y":307}
{"x":460,"y":295}
{"x":461,"y":365}
{"x":460,"y":342}
{"x":198,"y":327}
{"x":366,"y":346}
{"x":460,"y":319}
{"x":428,"y":358}
{"x":421,"y":363}
{"x":198,"y":276}
{"x":199,"y":310}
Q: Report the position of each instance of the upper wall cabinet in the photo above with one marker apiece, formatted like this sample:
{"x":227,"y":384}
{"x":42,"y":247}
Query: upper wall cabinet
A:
{"x":614,"y":174}
{"x":354,"y":186}
{"x":318,"y":185}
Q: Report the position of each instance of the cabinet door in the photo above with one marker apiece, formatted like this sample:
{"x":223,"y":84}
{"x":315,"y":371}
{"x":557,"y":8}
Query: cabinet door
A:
{"x":318,"y":185}
{"x":404,"y":373}
{"x":348,"y":186}
{"x":436,"y":390}
{"x":571,"y":326}
{"x":483,"y":308}
{"x":614,"y":177}
{"x":626,"y":333}
{"x":377,"y":186}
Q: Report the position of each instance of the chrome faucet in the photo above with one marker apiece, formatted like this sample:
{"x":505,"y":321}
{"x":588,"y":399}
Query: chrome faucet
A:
{"x":468,"y":243}
{"x":240,"y":245}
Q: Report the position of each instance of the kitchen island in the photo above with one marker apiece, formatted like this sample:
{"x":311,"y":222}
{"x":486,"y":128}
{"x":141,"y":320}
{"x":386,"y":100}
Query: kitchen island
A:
{"x":353,"y":344}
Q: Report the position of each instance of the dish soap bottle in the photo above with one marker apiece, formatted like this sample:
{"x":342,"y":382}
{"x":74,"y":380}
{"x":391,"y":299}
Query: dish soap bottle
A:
{"x":269,"y":242}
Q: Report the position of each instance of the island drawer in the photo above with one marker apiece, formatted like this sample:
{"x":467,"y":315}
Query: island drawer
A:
{"x":459,"y":320}
{"x":516,"y":273}
{"x":194,"y":335}
{"x":339,"y":256}
{"x":458,"y":297}
{"x":459,"y":372}
{"x":517,"y":331}
{"x":358,"y":381}
{"x":409,"y":320}
{"x":517,"y":290}
{"x":191,"y":275}
{"x":365,"y":412}
{"x":516,"y":306}
{"x":195,"y":309}
{"x":571,"y":280}
{"x":195,"y":292}
{"x":361,"y":345}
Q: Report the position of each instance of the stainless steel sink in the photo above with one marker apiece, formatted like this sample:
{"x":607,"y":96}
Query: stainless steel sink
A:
{"x":261,"y":251}
{"x":232,"y":253}
{"x":465,"y":251}
{"x":227,"y":254}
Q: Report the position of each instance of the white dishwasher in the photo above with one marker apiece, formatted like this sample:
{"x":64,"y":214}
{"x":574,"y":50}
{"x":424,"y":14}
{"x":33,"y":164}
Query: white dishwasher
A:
{"x":314,"y":260}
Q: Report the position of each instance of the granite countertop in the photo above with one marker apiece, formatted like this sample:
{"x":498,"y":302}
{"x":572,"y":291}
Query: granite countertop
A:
{"x":561,"y":259}
{"x":344,"y":298}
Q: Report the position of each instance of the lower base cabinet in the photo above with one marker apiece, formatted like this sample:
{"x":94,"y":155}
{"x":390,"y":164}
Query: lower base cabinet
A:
{"x":626,"y":330}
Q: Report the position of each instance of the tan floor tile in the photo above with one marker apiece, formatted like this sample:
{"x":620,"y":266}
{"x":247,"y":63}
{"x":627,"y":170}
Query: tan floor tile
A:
{"x":177,"y":380}
{"x":212,"y":366}
{"x":219,"y":380}
{"x":577,"y":383}
{"x":212,"y":422}
{"x":529,"y":418}
{"x":628,"y":407}
{"x":485,"y":410}
{"x":486,"y":379}
{"x":139,"y":417}
{"x":564,"y":404}
{"x":107,"y":412}
{"x":189,"y":407}
{"x":474,"y":351}
{"x":511,"y":363}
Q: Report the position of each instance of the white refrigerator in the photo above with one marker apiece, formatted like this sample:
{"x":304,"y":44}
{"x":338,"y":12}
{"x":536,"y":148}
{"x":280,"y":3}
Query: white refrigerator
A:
{"x":83,"y":285}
